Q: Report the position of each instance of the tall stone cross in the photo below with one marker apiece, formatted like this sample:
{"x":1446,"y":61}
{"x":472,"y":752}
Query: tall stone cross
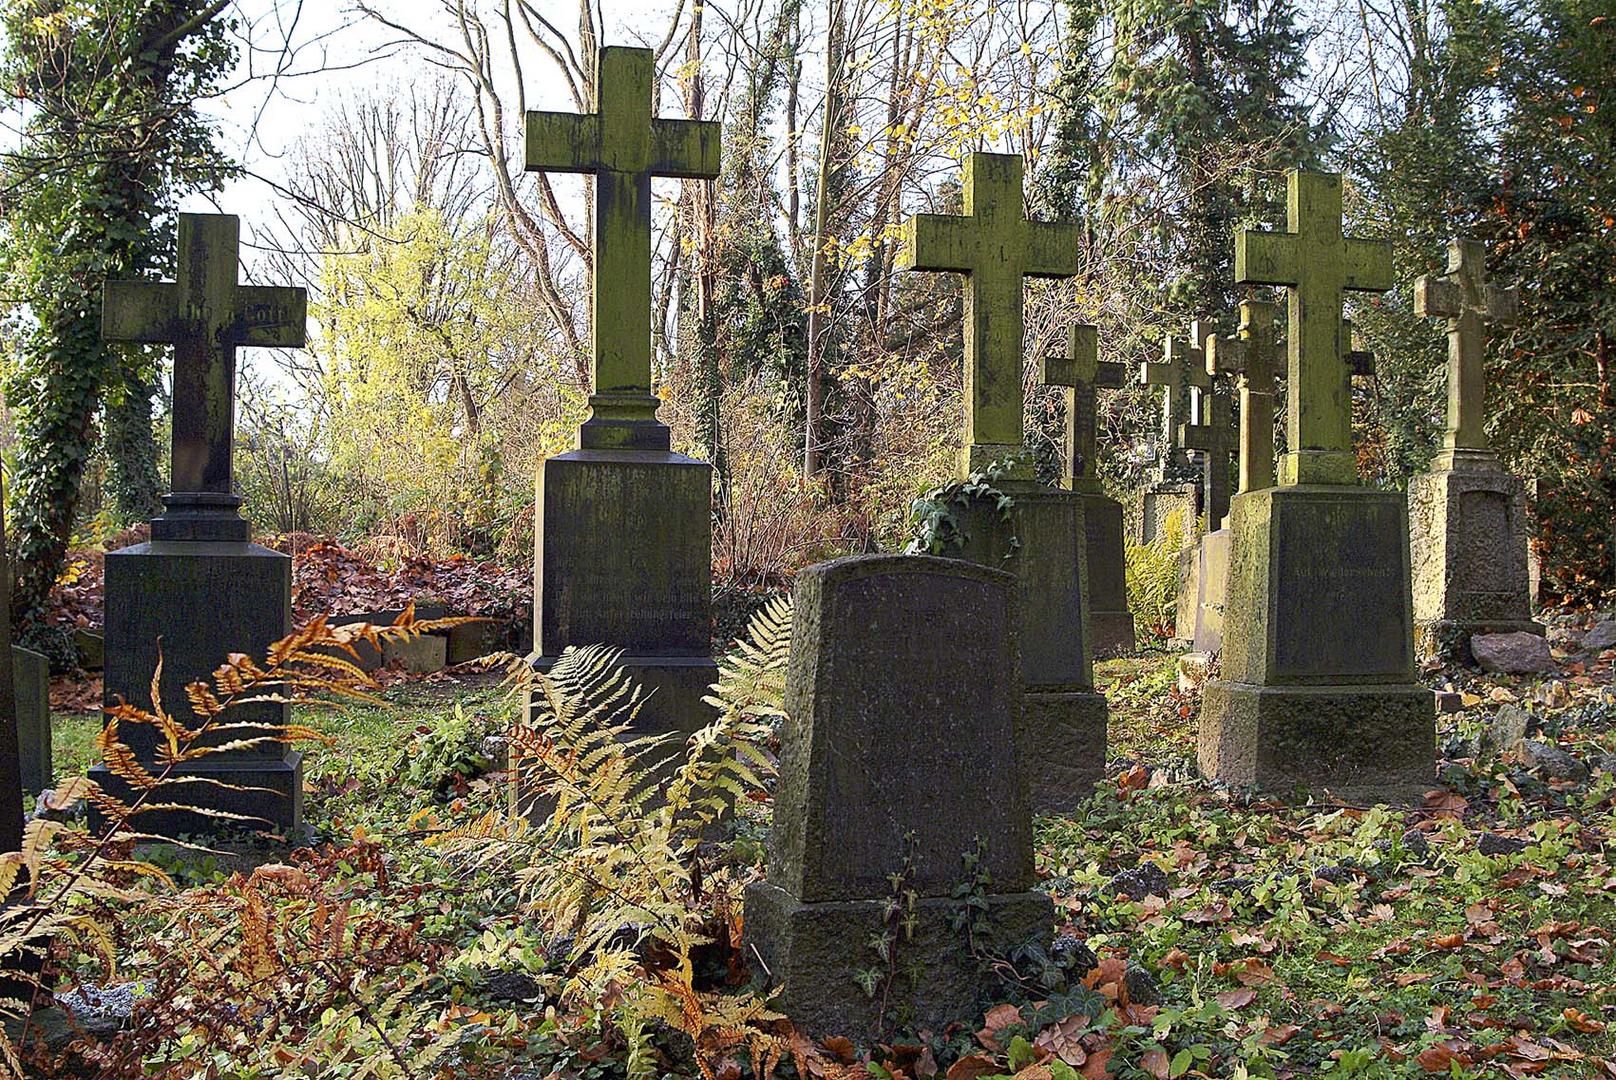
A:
{"x":1256,"y":359}
{"x":1181,"y":373}
{"x":1214,"y":435}
{"x":1468,"y":301}
{"x":206,"y":315}
{"x":1081,"y":372}
{"x":996,"y":246}
{"x":1316,"y":264}
{"x":623,"y":146}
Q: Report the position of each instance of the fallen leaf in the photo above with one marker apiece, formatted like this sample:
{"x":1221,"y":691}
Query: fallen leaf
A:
{"x":1236,"y":999}
{"x":997,"y":1019}
{"x":972,"y":1066}
{"x":1156,"y":1063}
{"x":842,"y":1049}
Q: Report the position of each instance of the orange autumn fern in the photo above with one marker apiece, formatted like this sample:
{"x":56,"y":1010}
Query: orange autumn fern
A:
{"x":69,"y":883}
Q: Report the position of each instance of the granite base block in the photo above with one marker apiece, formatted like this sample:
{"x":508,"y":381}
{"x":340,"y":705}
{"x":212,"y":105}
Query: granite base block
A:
{"x":1369,"y":743}
{"x":813,"y":954}
{"x":1062,"y":748}
{"x":269,"y":791}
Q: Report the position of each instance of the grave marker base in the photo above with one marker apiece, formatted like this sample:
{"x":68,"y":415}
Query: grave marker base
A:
{"x":201,"y":601}
{"x":814,"y":951}
{"x":1062,"y":747}
{"x":1468,"y":549}
{"x":1318,"y":686}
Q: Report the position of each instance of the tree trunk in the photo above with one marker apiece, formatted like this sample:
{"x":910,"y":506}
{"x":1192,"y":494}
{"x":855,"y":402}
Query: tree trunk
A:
{"x":814,"y":399}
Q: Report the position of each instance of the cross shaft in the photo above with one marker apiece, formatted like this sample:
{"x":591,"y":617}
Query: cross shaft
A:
{"x":996,"y":247}
{"x":623,"y":146}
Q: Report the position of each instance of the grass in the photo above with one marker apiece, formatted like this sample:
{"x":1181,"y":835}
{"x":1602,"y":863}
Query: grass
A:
{"x":1290,"y":942}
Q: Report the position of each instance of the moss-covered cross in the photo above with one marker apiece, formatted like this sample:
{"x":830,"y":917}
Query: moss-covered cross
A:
{"x":206,"y":316}
{"x":1081,"y":372}
{"x":1316,"y":264}
{"x":1256,"y":359}
{"x":1181,"y":373}
{"x":996,"y":246}
{"x":623,"y":145}
{"x":1468,"y":301}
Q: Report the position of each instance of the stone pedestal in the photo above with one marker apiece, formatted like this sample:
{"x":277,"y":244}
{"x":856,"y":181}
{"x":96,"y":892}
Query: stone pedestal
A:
{"x":903,"y":671}
{"x":1318,"y":688}
{"x":30,"y":674}
{"x":202,"y":600}
{"x":1063,"y":718}
{"x":1110,"y":623}
{"x":1468,"y":547}
{"x":1163,"y":503}
{"x":624,"y":558}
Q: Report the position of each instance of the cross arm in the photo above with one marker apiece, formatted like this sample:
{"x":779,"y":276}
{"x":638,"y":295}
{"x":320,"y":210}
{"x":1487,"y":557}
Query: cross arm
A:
{"x":563,"y":142}
{"x":1265,"y":258}
{"x":1503,"y":305}
{"x":1077,"y":366}
{"x":1369,"y":265}
{"x":1051,"y":249}
{"x":272,"y":316}
{"x":1437,"y":297}
{"x":139,"y":311}
{"x":688,"y":149}
{"x":938,"y":242}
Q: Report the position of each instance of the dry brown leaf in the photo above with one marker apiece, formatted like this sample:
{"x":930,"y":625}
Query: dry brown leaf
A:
{"x":1236,"y":999}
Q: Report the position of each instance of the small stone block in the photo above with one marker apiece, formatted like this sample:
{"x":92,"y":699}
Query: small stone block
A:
{"x":92,"y":649}
{"x":417,"y":656}
{"x":1449,"y":701}
{"x":1063,"y":743}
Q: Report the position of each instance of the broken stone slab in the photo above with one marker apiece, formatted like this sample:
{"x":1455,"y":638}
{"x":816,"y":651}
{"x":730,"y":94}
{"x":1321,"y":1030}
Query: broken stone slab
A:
{"x":1508,"y":727}
{"x":92,"y":649}
{"x":1551,"y":761}
{"x":1517,"y":653}
{"x":422,"y":655}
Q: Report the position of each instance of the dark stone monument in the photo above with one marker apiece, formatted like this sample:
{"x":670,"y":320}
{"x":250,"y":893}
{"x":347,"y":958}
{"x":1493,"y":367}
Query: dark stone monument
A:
{"x":1045,"y":541}
{"x":623,"y":545}
{"x":898,"y":758}
{"x":11,"y":769}
{"x":31,"y":677}
{"x":200,"y":587}
{"x":1318,"y":687}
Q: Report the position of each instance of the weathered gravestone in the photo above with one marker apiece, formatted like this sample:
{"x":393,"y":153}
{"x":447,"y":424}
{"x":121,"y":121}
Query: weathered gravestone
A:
{"x":1318,"y":686}
{"x":898,"y":765}
{"x":1044,"y":540}
{"x":1467,"y":515}
{"x":1081,"y":372}
{"x":30,"y":676}
{"x":201,"y":588}
{"x":1255,"y":359}
{"x":1174,"y":496}
{"x":1202,"y":569}
{"x":624,"y":534}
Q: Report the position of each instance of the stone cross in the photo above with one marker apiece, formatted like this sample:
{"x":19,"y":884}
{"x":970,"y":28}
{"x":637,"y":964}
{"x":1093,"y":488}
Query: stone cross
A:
{"x":995,"y":244}
{"x":1215,"y":437}
{"x":1316,"y":264}
{"x":623,"y":145}
{"x":1082,"y":373}
{"x":206,"y":316}
{"x":1182,"y":375}
{"x":1256,"y":359}
{"x":1468,"y":301}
